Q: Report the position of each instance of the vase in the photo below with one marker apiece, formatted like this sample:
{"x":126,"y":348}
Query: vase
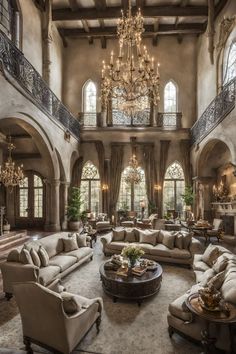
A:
{"x":132,"y":262}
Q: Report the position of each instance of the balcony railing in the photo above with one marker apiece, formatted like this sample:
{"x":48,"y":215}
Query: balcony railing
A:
{"x":169,"y":120}
{"x":217,"y":110}
{"x":14,"y":62}
{"x":139,"y":119}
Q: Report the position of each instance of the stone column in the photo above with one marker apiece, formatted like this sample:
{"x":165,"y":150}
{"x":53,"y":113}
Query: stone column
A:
{"x":65,"y":187}
{"x":55,"y":206}
{"x":47,"y":204}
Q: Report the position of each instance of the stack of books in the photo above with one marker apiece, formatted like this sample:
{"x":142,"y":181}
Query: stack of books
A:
{"x":139,"y":270}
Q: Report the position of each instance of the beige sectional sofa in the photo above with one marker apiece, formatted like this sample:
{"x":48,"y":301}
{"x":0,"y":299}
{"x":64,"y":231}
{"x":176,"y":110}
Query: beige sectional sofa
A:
{"x":159,"y":245}
{"x":218,"y":266}
{"x":59,"y":262}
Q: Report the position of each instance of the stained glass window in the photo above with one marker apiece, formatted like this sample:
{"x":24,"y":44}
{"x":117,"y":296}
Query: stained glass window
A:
{"x":23,"y":196}
{"x":170,"y":97}
{"x":89,"y":103}
{"x":230,"y":65}
{"x":174,"y":186}
{"x":132,"y":194}
{"x":91,"y":188}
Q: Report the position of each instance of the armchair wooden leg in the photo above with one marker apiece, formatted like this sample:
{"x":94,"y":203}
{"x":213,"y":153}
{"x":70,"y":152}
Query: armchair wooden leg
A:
{"x":98,"y":322}
{"x":27,"y":343}
{"x":91,"y":258}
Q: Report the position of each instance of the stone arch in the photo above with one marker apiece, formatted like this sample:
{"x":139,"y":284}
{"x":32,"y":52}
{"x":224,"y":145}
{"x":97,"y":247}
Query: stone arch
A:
{"x":85,"y":85}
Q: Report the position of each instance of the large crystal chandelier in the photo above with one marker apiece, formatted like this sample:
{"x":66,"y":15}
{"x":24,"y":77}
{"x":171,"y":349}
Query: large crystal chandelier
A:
{"x":11,"y":175}
{"x":133,"y":171}
{"x":133,"y":76}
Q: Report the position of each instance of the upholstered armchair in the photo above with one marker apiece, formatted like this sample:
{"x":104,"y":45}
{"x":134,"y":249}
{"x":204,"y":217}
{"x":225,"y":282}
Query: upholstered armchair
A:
{"x":47,"y":322}
{"x":130,"y":219}
{"x":216,"y":229}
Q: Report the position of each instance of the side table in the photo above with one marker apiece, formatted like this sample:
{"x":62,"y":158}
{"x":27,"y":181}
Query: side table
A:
{"x":217,"y":317}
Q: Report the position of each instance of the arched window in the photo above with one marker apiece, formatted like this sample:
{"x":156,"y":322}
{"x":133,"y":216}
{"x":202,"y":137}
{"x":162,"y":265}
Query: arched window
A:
{"x":173,"y":189}
{"x":90,"y":103}
{"x":230,"y":64}
{"x":31,"y":200}
{"x":132,"y":194}
{"x":170,"y":97}
{"x":90,"y":188}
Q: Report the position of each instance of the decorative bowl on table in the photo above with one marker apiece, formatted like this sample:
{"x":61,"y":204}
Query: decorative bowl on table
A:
{"x":210,"y":298}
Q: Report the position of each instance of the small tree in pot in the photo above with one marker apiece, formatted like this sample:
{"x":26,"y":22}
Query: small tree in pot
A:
{"x":188,"y":197}
{"x":74,"y":209}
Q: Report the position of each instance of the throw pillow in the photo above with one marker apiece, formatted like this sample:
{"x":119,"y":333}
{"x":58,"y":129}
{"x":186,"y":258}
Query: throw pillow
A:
{"x":228,"y":291}
{"x":35,"y":258}
{"x":81,"y":240}
{"x":25,"y":257}
{"x":207,"y":276}
{"x":218,"y":280}
{"x":70,"y":304}
{"x":118,"y":235}
{"x":187,"y":239}
{"x":44,"y":258}
{"x":210,"y":255}
{"x":169,"y":240}
{"x":70,"y":244}
{"x":130,"y":235}
{"x":220,"y":264}
{"x":161,"y":235}
{"x":179,"y":240}
{"x":13,"y":256}
{"x":147,"y":238}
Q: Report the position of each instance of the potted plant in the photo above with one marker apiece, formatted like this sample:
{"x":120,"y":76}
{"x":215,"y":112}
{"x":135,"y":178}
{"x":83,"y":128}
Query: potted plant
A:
{"x":188,"y":197}
{"x":74,"y":209}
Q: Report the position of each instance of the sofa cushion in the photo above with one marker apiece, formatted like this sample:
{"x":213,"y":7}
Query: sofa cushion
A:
{"x":70,"y":244}
{"x":81,"y":253}
{"x":13,"y":256}
{"x":116,"y":245}
{"x":44,"y":258}
{"x":53,"y":244}
{"x":81,"y":240}
{"x":228,"y":291}
{"x":62,"y":261}
{"x":130,"y":235}
{"x":178,"y":309}
{"x":179,"y":240}
{"x":178,"y":253}
{"x":25,"y":256}
{"x":206,"y":276}
{"x":169,"y":240}
{"x":35,"y":257}
{"x":210,"y":255}
{"x":48,"y":274}
{"x":146,"y":247}
{"x":147,"y":237}
{"x":218,"y":280}
{"x":118,"y":235}
{"x":161,"y":235}
{"x":220,"y":264}
{"x":198,"y":263}
{"x":70,"y":305}
{"x":160,"y":250}
{"x":187,"y":239}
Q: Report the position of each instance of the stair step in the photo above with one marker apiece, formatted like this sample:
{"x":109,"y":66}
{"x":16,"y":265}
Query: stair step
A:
{"x":14,"y":243}
{"x":14,"y":236}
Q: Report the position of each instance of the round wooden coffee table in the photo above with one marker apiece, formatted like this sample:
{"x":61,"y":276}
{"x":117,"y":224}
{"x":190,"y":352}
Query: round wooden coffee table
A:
{"x":132,"y":287}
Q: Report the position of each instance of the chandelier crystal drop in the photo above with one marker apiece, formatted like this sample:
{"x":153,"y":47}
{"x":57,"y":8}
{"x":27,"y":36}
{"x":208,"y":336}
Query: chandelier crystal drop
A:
{"x":10,"y":174}
{"x":133,"y":174}
{"x":133,"y":76}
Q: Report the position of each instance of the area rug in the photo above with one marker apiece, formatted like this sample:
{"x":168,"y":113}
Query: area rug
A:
{"x":126,"y":328}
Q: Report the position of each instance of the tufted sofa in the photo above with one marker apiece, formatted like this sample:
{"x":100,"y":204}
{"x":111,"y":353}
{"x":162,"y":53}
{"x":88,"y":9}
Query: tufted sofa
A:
{"x":60,"y":262}
{"x":158,"y":245}
{"x":219,"y":269}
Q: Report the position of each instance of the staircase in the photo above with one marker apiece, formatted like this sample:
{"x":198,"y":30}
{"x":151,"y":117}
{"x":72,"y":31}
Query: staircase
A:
{"x":11,"y":240}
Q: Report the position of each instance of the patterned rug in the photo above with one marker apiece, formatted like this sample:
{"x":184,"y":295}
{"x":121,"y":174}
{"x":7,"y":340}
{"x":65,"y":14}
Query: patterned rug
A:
{"x":126,"y":328}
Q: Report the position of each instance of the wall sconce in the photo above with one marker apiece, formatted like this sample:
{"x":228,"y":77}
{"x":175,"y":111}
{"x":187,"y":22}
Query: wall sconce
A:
{"x":67,"y":136}
{"x":157,"y":187}
{"x":105,"y":187}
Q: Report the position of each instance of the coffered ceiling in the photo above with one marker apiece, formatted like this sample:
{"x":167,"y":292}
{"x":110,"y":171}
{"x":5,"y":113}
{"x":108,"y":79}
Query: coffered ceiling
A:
{"x":98,"y":18}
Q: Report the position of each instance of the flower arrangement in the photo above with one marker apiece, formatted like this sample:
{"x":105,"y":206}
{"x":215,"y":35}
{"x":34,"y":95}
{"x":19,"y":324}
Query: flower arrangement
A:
{"x":133,"y":253}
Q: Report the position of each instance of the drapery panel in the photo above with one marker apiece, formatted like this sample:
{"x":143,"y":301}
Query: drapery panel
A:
{"x":164,"y":149}
{"x":150,"y":171}
{"x":101,"y":158}
{"x":116,"y":165}
{"x":77,"y":172}
{"x":185,"y":160}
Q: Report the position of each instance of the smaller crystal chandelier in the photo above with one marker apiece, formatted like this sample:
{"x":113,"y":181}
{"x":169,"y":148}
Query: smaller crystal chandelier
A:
{"x":11,"y":175}
{"x":133,"y":174}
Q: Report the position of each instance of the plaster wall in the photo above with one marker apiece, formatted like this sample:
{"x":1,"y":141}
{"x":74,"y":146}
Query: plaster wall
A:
{"x":56,"y":67}
{"x":177,"y":62}
{"x":207,"y":72}
{"x":32,"y":33}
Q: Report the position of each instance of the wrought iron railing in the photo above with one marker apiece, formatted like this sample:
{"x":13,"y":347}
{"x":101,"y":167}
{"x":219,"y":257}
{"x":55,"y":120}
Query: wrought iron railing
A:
{"x":89,"y":119}
{"x":217,"y":110}
{"x":169,"y":120}
{"x":14,"y":62}
{"x":120,"y":118}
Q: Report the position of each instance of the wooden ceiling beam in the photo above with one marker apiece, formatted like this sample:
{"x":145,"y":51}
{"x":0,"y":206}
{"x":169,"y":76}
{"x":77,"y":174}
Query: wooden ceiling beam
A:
{"x":115,"y":12}
{"x":221,"y":4}
{"x":85,"y":25}
{"x":73,"y":5}
{"x":183,"y":28}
